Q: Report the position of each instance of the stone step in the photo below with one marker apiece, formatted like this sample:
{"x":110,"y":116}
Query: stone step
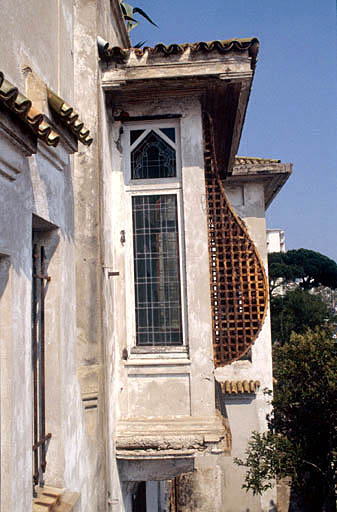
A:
{"x":53,"y":499}
{"x":44,"y":499}
{"x":47,"y":499}
{"x":40,"y":508}
{"x":68,"y":502}
{"x":52,"y":491}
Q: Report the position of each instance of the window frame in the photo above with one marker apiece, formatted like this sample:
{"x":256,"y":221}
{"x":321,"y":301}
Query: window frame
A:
{"x":127,"y":149}
{"x":146,"y":187}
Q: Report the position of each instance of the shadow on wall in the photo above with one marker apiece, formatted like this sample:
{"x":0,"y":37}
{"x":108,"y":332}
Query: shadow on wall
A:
{"x":45,"y":232}
{"x":273,"y":506}
{"x":57,"y":191}
{"x":4,"y":272}
{"x":39,"y":189}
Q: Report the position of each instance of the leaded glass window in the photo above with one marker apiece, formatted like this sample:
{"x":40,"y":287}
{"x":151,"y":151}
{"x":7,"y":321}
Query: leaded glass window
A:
{"x":153,"y":157}
{"x":156,"y":270}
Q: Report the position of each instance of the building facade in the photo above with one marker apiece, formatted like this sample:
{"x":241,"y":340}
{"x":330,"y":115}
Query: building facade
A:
{"x":276,"y":240}
{"x":134,"y":320}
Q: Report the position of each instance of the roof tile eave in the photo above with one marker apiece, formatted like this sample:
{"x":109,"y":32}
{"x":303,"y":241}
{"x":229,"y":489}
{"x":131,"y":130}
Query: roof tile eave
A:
{"x":240,"y":387}
{"x":246,"y":160}
{"x":69,"y":117}
{"x":23,"y":108}
{"x":251,"y":45}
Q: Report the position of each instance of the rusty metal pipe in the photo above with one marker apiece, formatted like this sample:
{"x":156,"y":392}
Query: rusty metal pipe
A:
{"x":34,"y":363}
{"x":41,"y":440}
{"x":42,"y":363}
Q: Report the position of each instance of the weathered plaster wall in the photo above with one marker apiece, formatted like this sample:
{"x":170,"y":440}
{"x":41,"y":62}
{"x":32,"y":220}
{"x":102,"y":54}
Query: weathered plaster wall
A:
{"x":54,"y":45}
{"x":113,"y":294}
{"x":15,"y":229}
{"x":88,"y":258}
{"x":248,"y":201}
{"x":92,"y":19}
{"x":110,"y":23}
{"x":196,"y":300}
{"x":39,"y":35}
{"x":139,"y":383}
{"x":216,"y":481}
{"x":41,"y":187}
{"x":167,"y":384}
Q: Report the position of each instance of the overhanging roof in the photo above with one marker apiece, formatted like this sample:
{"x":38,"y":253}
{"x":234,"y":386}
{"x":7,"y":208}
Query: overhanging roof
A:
{"x":220,"y":73}
{"x":271,"y":172}
{"x":118,"y":54}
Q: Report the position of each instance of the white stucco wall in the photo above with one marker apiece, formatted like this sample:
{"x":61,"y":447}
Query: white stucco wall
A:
{"x":142,"y":381}
{"x":84,"y":198}
{"x":173,"y":383}
{"x":248,"y":414}
{"x":54,"y":46}
{"x":276,"y":240}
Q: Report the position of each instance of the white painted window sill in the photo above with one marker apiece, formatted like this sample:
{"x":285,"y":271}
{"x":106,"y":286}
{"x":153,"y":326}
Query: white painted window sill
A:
{"x":155,"y":356}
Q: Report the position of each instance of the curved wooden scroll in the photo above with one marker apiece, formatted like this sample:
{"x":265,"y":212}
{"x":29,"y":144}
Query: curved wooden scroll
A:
{"x":238,"y":283}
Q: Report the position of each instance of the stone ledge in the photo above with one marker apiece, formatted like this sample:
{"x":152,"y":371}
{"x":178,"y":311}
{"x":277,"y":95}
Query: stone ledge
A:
{"x":153,"y":438}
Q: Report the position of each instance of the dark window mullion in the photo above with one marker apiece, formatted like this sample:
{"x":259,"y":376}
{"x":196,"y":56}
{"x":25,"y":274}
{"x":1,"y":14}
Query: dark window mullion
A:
{"x":160,"y":283}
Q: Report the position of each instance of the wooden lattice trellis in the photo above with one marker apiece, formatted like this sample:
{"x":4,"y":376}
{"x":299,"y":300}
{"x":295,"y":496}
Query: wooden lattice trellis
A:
{"x":238,"y":283}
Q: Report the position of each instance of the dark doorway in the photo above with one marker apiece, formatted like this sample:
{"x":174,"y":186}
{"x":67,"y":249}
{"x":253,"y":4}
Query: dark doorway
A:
{"x":139,"y":498}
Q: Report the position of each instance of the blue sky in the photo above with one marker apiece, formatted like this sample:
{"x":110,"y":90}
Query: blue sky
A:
{"x":292,"y":109}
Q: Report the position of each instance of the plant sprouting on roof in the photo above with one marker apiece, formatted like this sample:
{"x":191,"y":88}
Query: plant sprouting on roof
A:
{"x":129,"y":11}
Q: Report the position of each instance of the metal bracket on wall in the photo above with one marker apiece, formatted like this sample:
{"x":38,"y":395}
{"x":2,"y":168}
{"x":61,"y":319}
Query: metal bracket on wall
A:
{"x":113,"y":274}
{"x":110,"y":272}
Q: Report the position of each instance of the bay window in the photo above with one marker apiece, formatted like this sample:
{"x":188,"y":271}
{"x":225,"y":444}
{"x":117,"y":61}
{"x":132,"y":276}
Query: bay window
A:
{"x":153,"y":183}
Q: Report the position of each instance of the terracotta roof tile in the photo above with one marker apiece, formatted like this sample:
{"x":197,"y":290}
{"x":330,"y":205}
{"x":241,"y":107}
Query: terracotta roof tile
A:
{"x":67,"y":114}
{"x":235,"y":387}
{"x":22,"y":107}
{"x":250,"y":160}
{"x":116,"y":53}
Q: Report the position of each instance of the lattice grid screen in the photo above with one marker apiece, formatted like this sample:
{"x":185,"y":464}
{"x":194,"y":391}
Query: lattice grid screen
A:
{"x":239,"y":292}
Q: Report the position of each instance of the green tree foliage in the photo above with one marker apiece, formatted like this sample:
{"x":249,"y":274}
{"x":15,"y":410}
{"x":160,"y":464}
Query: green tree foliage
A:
{"x":301,"y":441}
{"x":297,"y":311}
{"x":268,"y":456}
{"x":308,"y":268}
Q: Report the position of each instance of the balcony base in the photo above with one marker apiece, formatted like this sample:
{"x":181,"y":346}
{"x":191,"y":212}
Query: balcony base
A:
{"x":171,"y":438}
